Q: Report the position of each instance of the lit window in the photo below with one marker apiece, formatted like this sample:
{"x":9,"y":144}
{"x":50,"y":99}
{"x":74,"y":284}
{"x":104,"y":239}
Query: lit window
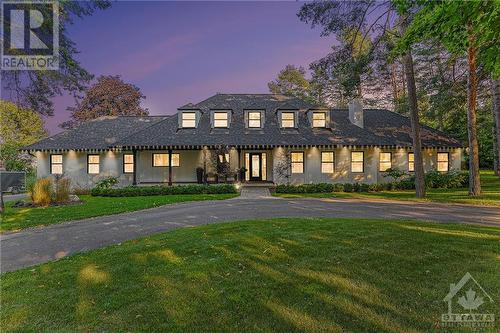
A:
{"x":385,"y":162}
{"x":411,"y":162}
{"x":357,"y":161}
{"x":161,"y":160}
{"x":220,"y":119}
{"x":56,"y":167}
{"x":254,"y":120}
{"x":128,"y":163}
{"x":189,"y":119}
{"x":297,"y":162}
{"x":176,"y":160}
{"x":327,"y":162}
{"x":442,"y":162}
{"x":287,"y":119}
{"x":224,"y":158}
{"x":93,"y":164}
{"x":319,"y":119}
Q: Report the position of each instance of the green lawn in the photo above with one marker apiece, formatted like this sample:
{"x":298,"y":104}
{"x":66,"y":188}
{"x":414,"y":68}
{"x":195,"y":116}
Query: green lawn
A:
{"x":279,"y":275}
{"x":490,"y":185}
{"x":20,"y":218}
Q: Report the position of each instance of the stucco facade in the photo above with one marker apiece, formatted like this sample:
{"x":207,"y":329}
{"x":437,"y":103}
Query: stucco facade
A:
{"x":75,"y":165}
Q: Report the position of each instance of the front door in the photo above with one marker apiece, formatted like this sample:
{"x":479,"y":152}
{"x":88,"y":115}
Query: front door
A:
{"x":255,"y":166}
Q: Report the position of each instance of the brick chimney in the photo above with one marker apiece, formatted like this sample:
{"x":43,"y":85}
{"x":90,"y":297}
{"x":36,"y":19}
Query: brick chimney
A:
{"x":356,"y":112}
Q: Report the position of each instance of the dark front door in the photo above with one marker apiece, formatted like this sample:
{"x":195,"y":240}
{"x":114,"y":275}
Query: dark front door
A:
{"x":255,"y":166}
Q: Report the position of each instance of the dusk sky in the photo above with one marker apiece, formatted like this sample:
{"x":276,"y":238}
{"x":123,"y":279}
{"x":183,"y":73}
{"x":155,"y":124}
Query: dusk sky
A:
{"x":179,"y":52}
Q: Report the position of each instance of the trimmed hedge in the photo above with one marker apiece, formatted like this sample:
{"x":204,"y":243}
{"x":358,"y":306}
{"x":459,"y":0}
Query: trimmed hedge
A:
{"x":136,"y":191}
{"x":433,"y":179}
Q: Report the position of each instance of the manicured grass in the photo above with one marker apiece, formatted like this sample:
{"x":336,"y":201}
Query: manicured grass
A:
{"x":280,"y":275}
{"x":490,"y":185}
{"x":20,"y":218}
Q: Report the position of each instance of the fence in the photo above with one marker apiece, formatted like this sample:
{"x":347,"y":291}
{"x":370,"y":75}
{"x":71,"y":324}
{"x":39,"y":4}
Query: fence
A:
{"x":12,"y":181}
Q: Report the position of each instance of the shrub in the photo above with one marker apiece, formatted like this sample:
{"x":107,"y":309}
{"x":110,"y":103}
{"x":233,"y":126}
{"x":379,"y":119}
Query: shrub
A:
{"x":434,"y":179}
{"x":348,"y":187}
{"x":62,"y":189}
{"x":396,"y":174}
{"x":42,"y":192}
{"x":107,"y":182}
{"x":30,"y":183}
{"x":134,"y":191}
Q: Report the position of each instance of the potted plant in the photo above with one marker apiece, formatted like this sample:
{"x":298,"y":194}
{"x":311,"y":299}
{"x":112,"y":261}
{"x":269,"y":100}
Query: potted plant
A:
{"x":199,"y":174}
{"x":241,"y":173}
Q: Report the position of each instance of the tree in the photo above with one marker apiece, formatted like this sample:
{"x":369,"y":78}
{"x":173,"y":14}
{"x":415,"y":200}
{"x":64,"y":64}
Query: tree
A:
{"x":469,"y":28}
{"x":18,"y":127}
{"x":291,"y":81}
{"x":414,"y":117}
{"x":283,"y":165}
{"x":495,"y":85}
{"x":109,"y":96}
{"x":350,"y":64}
{"x":34,"y":89}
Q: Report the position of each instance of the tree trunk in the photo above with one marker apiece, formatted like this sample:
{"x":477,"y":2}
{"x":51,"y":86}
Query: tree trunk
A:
{"x":495,"y":85}
{"x":2,"y":206}
{"x":474,"y":182}
{"x":415,"y":123}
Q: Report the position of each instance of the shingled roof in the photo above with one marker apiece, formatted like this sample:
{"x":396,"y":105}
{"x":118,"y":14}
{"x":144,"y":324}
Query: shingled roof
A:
{"x":100,"y":133}
{"x":382,"y":128}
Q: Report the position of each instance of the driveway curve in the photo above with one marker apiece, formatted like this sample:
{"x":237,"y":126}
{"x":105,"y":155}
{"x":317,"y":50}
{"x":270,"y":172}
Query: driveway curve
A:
{"x":38,"y":245}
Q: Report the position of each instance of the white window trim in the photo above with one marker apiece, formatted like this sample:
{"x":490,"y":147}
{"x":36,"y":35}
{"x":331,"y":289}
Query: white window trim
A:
{"x":293,"y":120}
{"x":249,"y":120}
{"x":226,"y":121}
{"x":57,"y":163}
{"x":380,"y":162}
{"x":326,"y":162}
{"x":362,"y":162}
{"x":292,"y":162}
{"x":188,"y":120}
{"x":322,"y":120}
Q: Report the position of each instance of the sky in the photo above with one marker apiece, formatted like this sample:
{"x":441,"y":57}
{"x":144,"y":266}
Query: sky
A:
{"x":180,"y":52}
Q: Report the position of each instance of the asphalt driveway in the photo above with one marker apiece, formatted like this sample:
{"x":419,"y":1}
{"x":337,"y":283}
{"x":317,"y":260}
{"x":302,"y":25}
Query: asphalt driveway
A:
{"x":38,"y":245}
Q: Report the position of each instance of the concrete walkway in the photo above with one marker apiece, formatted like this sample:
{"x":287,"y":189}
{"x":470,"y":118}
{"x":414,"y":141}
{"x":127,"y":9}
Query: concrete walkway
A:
{"x":12,"y":197}
{"x":255,"y":192}
{"x":38,"y":245}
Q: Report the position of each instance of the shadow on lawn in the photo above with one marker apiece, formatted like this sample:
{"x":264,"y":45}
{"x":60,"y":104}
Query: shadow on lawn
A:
{"x":273,"y":276}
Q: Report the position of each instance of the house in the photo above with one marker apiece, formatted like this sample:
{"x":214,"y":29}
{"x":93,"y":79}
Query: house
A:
{"x":260,"y":131}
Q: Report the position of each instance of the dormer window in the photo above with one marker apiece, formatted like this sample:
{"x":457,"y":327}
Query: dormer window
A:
{"x":287,"y":119}
{"x":254,"y":120}
{"x":188,"y":119}
{"x":220,"y":119}
{"x":319,"y":119}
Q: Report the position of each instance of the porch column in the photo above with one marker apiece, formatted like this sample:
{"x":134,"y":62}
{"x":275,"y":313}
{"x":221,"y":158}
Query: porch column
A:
{"x":170,"y":167}
{"x":238,"y":174}
{"x":134,"y":180}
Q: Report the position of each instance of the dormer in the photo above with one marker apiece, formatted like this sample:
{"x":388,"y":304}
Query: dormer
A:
{"x":254,"y":119}
{"x":288,"y":118}
{"x":319,"y":118}
{"x":189,"y":118}
{"x":220,"y":118}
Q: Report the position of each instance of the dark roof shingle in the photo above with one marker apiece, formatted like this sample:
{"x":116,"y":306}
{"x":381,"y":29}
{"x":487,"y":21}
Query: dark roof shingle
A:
{"x":382,"y":128}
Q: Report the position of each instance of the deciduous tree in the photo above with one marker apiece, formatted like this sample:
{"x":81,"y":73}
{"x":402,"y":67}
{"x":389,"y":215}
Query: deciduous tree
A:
{"x":109,"y":96}
{"x":35,"y":89}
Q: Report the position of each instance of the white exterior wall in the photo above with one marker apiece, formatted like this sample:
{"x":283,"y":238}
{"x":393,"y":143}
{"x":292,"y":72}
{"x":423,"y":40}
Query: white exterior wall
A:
{"x":111,"y":164}
{"x":75,"y":167}
{"x":342,"y":167}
